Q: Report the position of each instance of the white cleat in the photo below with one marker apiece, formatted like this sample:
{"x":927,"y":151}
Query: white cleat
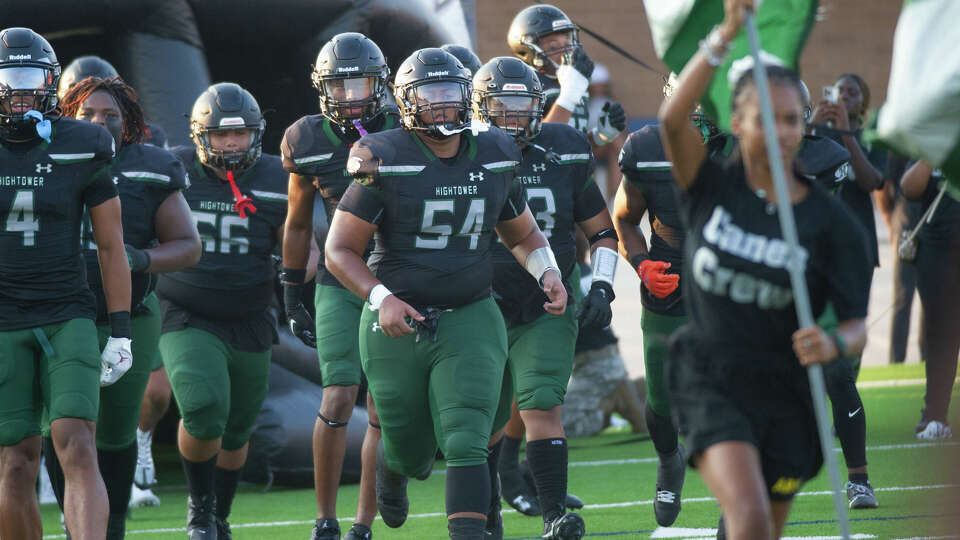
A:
{"x":142,"y":497}
{"x":935,"y":431}
{"x":145,"y":475}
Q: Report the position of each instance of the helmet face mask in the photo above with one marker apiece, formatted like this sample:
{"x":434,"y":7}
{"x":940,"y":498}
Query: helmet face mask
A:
{"x":28,"y":79}
{"x":222,"y":108}
{"x":507,"y":93}
{"x":547,"y":47}
{"x":433,"y":92}
{"x":350,"y":76}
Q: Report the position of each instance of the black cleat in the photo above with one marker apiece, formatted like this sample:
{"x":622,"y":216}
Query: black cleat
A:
{"x":392,"y":501}
{"x":201,"y":521}
{"x":223,"y":530}
{"x":573,"y":502}
{"x":566,"y":527}
{"x":671,"y":471}
{"x":518,"y":493}
{"x":325,"y":529}
{"x":358,"y":532}
{"x":721,"y":529}
{"x":493,"y":530}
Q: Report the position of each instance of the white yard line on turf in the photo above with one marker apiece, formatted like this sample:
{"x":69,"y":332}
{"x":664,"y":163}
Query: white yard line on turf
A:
{"x":711,"y":534}
{"x":586,"y":507}
{"x":895,"y":382}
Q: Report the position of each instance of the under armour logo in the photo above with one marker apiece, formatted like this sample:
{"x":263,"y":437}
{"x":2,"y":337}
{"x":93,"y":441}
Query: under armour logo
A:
{"x":375,"y":327}
{"x":842,"y":172}
{"x":116,"y":180}
{"x":476,"y":177}
{"x":539,"y":167}
{"x":48,"y":168}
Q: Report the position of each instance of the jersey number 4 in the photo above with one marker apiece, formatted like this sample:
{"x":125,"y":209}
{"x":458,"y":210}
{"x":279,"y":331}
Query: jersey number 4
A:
{"x":22,"y":218}
{"x":224,"y":224}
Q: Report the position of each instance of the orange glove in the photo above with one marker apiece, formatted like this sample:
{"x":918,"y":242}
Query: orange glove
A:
{"x":654,"y":277}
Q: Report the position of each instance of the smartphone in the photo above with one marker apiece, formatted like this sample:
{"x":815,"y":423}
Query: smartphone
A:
{"x":831,"y":94}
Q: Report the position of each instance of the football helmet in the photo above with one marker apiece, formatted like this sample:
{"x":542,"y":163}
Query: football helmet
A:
{"x":351,"y":77}
{"x":464,"y":55}
{"x":432,"y":89}
{"x":534,"y":22}
{"x":225,"y":106}
{"x":29,"y":72}
{"x":83,"y":67}
{"x":507,"y":93}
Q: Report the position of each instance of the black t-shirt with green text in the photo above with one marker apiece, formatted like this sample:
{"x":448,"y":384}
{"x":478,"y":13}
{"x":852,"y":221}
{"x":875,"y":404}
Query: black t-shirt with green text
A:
{"x":561,"y":192}
{"x":43,"y":190}
{"x":435,"y":217}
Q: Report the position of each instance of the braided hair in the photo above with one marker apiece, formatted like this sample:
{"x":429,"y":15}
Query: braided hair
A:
{"x":134,"y":124}
{"x":778,"y":75}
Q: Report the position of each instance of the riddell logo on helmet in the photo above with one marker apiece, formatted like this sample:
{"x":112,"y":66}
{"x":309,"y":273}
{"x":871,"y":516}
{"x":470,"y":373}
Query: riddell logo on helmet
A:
{"x":515,"y":86}
{"x":19,"y":57}
{"x":348,"y":69}
{"x":561,"y":22}
{"x":437,"y":73}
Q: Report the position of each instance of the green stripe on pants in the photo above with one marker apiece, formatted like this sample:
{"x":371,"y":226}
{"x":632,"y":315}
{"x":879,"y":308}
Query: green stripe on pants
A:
{"x":436,"y":393}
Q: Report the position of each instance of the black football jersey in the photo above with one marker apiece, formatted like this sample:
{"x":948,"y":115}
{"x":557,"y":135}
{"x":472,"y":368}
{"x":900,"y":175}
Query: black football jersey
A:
{"x":43,"y":190}
{"x":736,"y":284}
{"x":315,"y":146}
{"x":560,"y":193}
{"x":436,"y":217}
{"x":145,"y":176}
{"x":551,"y":89}
{"x":236,"y":250}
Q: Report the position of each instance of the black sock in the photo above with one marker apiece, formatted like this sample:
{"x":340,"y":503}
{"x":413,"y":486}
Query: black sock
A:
{"x":468,"y":490}
{"x":859,"y":478}
{"x":509,"y":453}
{"x":849,"y":418}
{"x":225,"y":485}
{"x":199,"y":476}
{"x":465,"y":529}
{"x":548,"y":464}
{"x":117,"y":468}
{"x":54,"y":470}
{"x":662,"y":431}
{"x":493,"y":460}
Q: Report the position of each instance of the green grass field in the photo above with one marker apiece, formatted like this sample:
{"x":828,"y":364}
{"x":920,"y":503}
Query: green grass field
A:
{"x":918,"y":486}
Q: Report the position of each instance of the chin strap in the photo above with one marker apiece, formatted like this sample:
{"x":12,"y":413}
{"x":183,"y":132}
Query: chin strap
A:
{"x":243,"y":204}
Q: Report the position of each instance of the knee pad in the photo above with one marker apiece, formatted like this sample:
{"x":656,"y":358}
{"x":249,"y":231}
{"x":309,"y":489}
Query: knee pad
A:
{"x":204,"y":415}
{"x":542,"y":398}
{"x":465,"y":448}
{"x":73,"y":405}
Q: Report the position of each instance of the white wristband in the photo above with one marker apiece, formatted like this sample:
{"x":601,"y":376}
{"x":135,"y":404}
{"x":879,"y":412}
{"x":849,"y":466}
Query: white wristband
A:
{"x":604,"y":265}
{"x":377,"y":294}
{"x":539,"y":261}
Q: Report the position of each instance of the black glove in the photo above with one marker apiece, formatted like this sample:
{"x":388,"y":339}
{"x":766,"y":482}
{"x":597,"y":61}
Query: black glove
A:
{"x":615,"y":115}
{"x":581,"y":62}
{"x":594,"y":311}
{"x":138,"y":259}
{"x":299,"y":319}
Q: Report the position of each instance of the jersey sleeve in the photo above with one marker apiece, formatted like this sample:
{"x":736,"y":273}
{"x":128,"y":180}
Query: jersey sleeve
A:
{"x":295,"y":140}
{"x":516,"y":201}
{"x":642,"y":158}
{"x":365,"y":202}
{"x":101,"y":188}
{"x":851,"y":264}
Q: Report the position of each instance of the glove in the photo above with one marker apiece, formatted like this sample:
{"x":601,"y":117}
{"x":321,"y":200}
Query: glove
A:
{"x":138,"y":259}
{"x":115,"y":360}
{"x":594,"y":311}
{"x":299,"y":319}
{"x":652,"y":274}
{"x":574,"y":78}
{"x":611,"y":122}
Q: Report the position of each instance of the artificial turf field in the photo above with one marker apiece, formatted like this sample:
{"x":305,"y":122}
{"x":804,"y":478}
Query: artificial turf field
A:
{"x":917,"y":485}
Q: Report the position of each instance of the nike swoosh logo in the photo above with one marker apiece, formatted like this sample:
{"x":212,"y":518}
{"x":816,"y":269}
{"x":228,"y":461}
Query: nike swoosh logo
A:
{"x":854,"y":413}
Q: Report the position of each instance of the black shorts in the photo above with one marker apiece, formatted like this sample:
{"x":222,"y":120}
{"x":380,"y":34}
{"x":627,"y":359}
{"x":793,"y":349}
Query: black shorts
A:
{"x":723,"y":395}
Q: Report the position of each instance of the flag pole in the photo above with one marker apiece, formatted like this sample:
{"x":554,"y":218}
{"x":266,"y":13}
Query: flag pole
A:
{"x":801,"y":297}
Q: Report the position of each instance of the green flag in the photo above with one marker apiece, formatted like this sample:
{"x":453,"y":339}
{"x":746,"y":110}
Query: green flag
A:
{"x":678,"y":26}
{"x":921,"y":117}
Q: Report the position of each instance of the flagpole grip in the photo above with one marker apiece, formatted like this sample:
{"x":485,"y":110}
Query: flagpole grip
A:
{"x":801,"y":297}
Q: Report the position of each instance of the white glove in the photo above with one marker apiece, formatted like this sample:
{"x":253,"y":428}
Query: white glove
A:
{"x":612,"y":121}
{"x":115,"y":360}
{"x":573,"y":86}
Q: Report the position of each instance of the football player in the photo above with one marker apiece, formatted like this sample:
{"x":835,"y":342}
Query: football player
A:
{"x":351,"y":76}
{"x":433,"y":343}
{"x":160,"y":237}
{"x":50,"y":169}
{"x":547,"y":40}
{"x":218,"y":326}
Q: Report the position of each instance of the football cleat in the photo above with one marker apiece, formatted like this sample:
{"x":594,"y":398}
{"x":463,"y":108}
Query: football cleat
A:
{"x":935,"y":431}
{"x":519,"y":493}
{"x":325,"y":529}
{"x":861,"y":496}
{"x":392,"y":501}
{"x":145,"y":475}
{"x":358,"y":532}
{"x":493,"y":530}
{"x":201,"y":521}
{"x":223,"y":530}
{"x":671,"y":471}
{"x":566,"y":527}
{"x":142,"y":497}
